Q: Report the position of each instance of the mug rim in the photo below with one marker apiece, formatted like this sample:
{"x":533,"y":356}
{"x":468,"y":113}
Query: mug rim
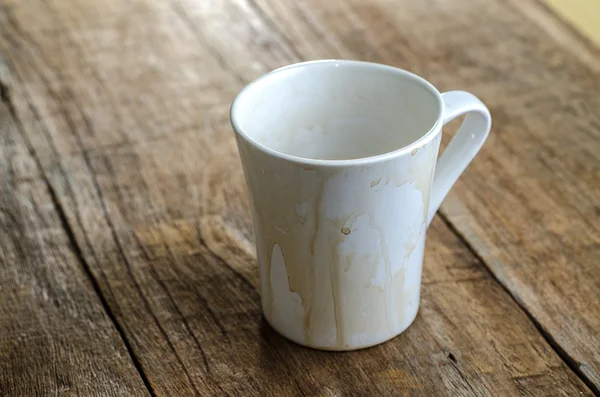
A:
{"x":306,"y":161}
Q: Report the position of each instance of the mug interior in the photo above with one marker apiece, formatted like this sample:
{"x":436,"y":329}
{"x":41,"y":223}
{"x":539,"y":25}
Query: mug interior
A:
{"x":336,"y":110}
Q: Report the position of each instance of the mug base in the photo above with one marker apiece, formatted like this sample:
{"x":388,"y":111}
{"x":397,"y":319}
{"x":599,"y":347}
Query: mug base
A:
{"x":342,"y":348}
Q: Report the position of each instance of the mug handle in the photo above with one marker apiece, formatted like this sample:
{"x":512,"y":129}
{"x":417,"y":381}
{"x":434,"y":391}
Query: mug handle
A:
{"x":463,"y":147}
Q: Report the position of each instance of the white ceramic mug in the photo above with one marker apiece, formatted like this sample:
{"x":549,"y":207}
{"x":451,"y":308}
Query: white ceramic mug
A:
{"x":340,"y":161}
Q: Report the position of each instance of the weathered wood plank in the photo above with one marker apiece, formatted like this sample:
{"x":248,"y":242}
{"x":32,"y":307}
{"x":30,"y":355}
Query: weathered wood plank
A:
{"x":126,"y":107}
{"x":55,"y":335}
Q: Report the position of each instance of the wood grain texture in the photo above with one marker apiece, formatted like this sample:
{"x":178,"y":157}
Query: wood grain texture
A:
{"x":125,"y":105}
{"x":55,"y":336}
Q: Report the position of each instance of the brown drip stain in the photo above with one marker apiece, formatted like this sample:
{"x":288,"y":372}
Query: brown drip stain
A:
{"x":375,"y":183}
{"x":423,"y":180}
{"x":338,"y":265}
{"x":400,"y":292}
{"x":317,"y":211}
{"x":335,"y":275}
{"x":414,"y":151}
{"x":308,"y":299}
{"x":268,"y":250}
{"x":336,"y":292}
{"x":267,"y":253}
{"x":388,"y":272}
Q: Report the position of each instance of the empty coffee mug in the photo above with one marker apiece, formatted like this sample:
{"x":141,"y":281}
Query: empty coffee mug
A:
{"x":340,"y":162}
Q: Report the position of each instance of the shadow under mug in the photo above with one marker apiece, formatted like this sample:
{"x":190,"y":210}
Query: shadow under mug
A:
{"x":341,"y":162}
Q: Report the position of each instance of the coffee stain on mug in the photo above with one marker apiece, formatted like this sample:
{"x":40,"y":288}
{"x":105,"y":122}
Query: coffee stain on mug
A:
{"x":296,"y":220}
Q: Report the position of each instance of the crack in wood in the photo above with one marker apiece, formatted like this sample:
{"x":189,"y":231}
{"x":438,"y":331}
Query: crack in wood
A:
{"x":565,"y":357}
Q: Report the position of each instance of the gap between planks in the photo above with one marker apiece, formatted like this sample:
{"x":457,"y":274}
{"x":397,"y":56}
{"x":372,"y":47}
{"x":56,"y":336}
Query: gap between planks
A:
{"x":570,"y":361}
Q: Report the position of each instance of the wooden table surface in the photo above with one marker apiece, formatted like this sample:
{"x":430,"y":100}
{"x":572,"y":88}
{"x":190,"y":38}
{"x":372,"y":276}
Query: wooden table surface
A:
{"x":127,"y":262}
